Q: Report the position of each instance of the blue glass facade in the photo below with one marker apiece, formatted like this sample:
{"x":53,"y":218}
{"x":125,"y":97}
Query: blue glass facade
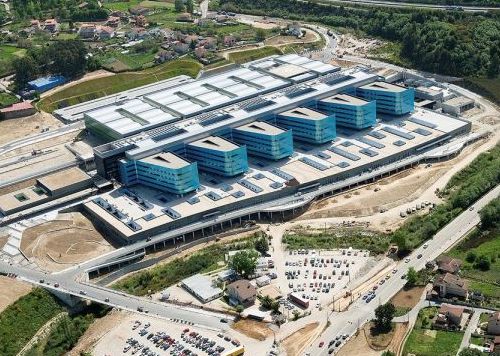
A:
{"x":308,"y":125}
{"x":264,"y":140}
{"x":218,"y":155}
{"x":164,"y":171}
{"x":350,"y":111}
{"x":391,"y":99}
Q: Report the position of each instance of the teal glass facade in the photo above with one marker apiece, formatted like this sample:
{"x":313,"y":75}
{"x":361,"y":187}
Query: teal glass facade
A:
{"x":351,"y":115}
{"x":397,"y":102}
{"x":226,"y":163}
{"x":311,"y":130}
{"x":274,"y":146}
{"x":177,"y":180}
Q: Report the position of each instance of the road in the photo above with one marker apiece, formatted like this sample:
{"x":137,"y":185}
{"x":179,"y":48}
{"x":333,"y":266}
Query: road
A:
{"x":415,"y":5}
{"x":347,"y":322}
{"x":68,"y":285}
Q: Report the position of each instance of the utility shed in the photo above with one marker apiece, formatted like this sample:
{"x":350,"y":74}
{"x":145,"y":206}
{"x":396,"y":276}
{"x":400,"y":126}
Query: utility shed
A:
{"x":46,"y":83}
{"x":201,"y":287}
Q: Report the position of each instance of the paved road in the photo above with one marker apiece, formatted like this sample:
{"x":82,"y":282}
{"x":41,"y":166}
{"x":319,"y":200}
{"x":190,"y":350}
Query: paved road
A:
{"x":469,"y":330}
{"x":114,"y":298}
{"x":360,"y":312}
{"x":411,"y":5}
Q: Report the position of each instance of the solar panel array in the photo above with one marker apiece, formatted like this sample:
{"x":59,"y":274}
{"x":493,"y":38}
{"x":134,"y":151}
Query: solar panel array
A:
{"x":313,"y":163}
{"x":249,"y":185}
{"x":370,"y":142}
{"x":344,"y":154}
{"x":171,"y":212}
{"x":399,"y":133}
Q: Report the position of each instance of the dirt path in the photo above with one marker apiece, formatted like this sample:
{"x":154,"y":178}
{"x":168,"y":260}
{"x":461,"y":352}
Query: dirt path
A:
{"x":42,"y":333}
{"x":97,"y":330}
{"x":298,"y":341}
{"x":11,"y":290}
{"x":18,"y":128}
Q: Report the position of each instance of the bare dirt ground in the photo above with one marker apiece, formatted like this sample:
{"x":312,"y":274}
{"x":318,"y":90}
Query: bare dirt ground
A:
{"x":3,"y":240}
{"x":407,"y":298}
{"x":97,"y":330}
{"x":367,"y":345}
{"x":297,"y":342}
{"x":309,"y":37}
{"x":11,"y":290}
{"x":25,"y":126}
{"x":347,"y":44}
{"x":67,"y":241}
{"x":253,"y":329}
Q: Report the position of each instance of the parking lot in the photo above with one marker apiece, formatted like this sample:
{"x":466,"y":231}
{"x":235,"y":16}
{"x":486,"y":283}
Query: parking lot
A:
{"x":318,"y":277}
{"x":145,"y":336}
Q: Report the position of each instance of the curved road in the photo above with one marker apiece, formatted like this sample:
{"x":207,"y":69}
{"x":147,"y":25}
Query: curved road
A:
{"x":416,"y":5}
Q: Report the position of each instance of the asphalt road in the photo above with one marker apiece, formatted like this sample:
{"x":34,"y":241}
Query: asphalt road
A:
{"x":415,"y":5}
{"x":359,"y":312}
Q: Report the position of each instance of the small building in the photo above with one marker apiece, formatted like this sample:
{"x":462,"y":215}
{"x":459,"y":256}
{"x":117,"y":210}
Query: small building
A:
{"x":164,"y":56}
{"x":294,"y":29}
{"x":297,"y":299}
{"x":494,"y":324}
{"x":50,"y":25}
{"x":263,"y":281}
{"x":241,"y":292}
{"x":35,"y":24}
{"x":87,"y":31}
{"x":450,"y":285}
{"x":226,"y":275}
{"x":449,"y":317}
{"x":180,"y":47}
{"x":428,"y":93}
{"x":202,"y":288}
{"x":457,"y":105}
{"x":229,"y":41}
{"x":21,"y":109}
{"x":200,"y":52}
{"x":46,"y":83}
{"x":447,"y":264}
{"x":113,"y":21}
{"x":141,"y":21}
{"x":105,"y":32}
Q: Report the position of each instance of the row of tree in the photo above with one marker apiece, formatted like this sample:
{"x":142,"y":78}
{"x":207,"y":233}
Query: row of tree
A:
{"x":446,"y":42}
{"x":63,"y":9}
{"x":67,"y":58}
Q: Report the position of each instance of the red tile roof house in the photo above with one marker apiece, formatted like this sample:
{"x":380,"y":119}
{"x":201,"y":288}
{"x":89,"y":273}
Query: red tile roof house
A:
{"x":242,"y":292}
{"x":17,"y":110}
{"x":449,"y":285}
{"x":449,"y":317}
{"x":448,"y":265}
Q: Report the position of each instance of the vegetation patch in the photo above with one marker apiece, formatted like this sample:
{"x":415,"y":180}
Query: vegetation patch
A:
{"x":165,"y":275}
{"x":423,"y":341}
{"x":253,"y":54}
{"x":357,"y":238}
{"x":7,"y":99}
{"x":22,"y":319}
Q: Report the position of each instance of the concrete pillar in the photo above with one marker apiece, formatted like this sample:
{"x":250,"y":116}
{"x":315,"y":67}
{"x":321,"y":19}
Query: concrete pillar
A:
{"x":183,"y":238}
{"x":258,"y":214}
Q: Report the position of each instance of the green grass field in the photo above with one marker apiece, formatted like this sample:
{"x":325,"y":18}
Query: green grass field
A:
{"x":120,"y":5}
{"x":426,"y":342}
{"x":22,"y":319}
{"x":253,"y":54}
{"x":100,"y":87}
{"x":7,"y":99}
{"x":487,"y":244}
{"x":7,"y":56}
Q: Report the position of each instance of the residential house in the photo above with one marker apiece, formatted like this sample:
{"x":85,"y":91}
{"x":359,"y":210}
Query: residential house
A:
{"x":137,"y":33}
{"x":87,"y":31}
{"x":141,"y":21}
{"x":208,"y":42}
{"x":35,"y":24}
{"x":447,"y":264}
{"x":106,"y":32}
{"x":113,"y":21}
{"x":164,"y":56}
{"x":180,"y":47}
{"x":496,"y":344}
{"x":241,"y":292}
{"x":494,"y":324}
{"x":449,"y":317}
{"x":229,"y":41}
{"x":200,"y":52}
{"x":450,"y":285}
{"x":50,"y":25}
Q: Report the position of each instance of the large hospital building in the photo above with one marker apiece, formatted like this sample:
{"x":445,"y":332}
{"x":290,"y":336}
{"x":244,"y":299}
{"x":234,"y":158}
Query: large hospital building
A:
{"x":188,"y":149}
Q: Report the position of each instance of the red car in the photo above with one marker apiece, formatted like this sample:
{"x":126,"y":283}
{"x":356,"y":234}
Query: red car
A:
{"x":321,"y":344}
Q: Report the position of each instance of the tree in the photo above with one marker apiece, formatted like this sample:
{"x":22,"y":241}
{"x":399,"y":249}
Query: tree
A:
{"x":411,"y":277}
{"x":388,"y":353}
{"x":244,"y":263}
{"x":25,"y":69}
{"x":482,"y":263}
{"x":262,"y":245}
{"x":471,"y":256}
{"x":179,"y":5}
{"x":490,"y":214}
{"x":384,"y":314}
{"x":260,"y":35}
{"x":470,"y":352}
{"x":189,"y":6}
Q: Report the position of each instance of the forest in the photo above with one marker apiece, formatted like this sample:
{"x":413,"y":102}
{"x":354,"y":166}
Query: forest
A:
{"x":453,"y":43}
{"x":62,"y":9}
